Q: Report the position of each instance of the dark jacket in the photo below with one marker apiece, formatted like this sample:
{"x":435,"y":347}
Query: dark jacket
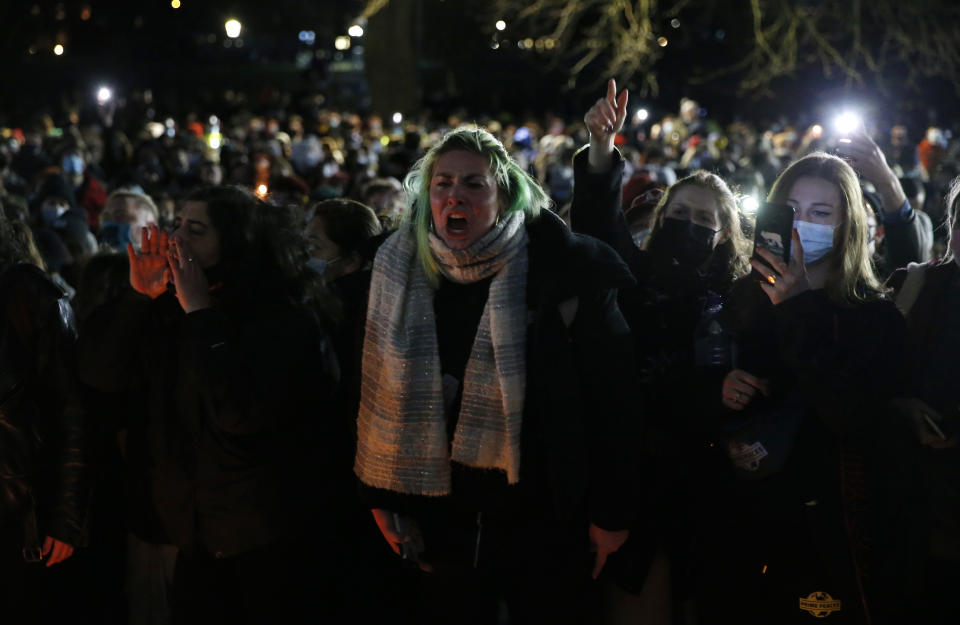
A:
{"x":576,"y":450}
{"x":42,"y":433}
{"x":815,"y":506}
{"x":663,"y":310}
{"x":934,"y":332}
{"x":226,"y":416}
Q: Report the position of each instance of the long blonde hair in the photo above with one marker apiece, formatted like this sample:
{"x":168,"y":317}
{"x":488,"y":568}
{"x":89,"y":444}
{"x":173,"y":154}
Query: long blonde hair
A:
{"x":851,"y":279}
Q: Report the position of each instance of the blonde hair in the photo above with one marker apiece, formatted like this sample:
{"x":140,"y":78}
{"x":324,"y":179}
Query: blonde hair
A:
{"x":851,"y":279}
{"x":516,"y":189}
{"x":730,"y":256}
{"x":953,"y":208}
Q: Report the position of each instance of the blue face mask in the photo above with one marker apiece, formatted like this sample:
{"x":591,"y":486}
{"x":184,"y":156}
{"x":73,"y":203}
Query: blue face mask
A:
{"x":52,"y":211}
{"x":72,"y":165}
{"x":640,"y":237}
{"x":117,"y":235}
{"x":817,"y":240}
{"x":320,"y":265}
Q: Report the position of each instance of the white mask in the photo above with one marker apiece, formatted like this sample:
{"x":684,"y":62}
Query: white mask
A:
{"x":817,"y":240}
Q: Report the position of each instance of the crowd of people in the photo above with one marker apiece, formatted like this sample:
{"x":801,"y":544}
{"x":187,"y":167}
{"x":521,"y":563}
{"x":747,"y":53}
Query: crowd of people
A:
{"x":307,"y":366}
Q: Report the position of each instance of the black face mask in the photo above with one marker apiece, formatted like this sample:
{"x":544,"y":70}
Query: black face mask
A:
{"x":683,"y":243}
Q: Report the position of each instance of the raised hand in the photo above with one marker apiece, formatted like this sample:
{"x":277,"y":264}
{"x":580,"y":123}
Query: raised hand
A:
{"x":149,"y":270}
{"x":604,"y":120}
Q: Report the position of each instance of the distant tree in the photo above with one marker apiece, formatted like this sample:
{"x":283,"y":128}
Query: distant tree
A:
{"x":863,"y":42}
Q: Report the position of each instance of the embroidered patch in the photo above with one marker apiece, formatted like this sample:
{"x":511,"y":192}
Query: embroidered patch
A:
{"x":746,"y":456}
{"x":820,"y":604}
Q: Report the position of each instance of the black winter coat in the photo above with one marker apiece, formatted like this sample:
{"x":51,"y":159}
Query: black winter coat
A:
{"x":577,"y":451}
{"x":226,"y":416}
{"x":42,"y":433}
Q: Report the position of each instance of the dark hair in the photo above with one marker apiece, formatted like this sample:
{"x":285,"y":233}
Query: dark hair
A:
{"x":348,"y":224}
{"x":262,"y":249}
{"x":17,"y":241}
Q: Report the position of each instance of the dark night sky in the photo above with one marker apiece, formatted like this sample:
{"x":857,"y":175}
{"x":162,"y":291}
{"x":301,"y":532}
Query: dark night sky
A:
{"x":179,"y":54}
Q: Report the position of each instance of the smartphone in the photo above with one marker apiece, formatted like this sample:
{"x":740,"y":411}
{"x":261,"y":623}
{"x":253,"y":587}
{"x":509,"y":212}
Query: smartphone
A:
{"x":773,"y":232}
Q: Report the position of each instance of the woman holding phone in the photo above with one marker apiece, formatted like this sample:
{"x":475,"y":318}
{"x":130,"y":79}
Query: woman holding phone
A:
{"x":693,"y":255}
{"x":819,"y":352}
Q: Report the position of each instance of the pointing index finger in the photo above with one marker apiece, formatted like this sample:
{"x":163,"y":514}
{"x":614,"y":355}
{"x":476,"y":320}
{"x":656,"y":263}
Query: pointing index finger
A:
{"x":612,"y":93}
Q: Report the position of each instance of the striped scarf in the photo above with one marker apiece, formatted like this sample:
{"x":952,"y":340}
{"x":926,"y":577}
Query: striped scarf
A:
{"x":402,"y":441}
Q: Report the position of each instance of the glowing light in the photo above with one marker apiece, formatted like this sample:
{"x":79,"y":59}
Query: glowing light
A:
{"x":85,"y":14}
{"x":397,"y":118}
{"x":215,"y":139}
{"x":103,"y":95}
{"x":384,"y":140}
{"x":355,"y":31}
{"x":307,"y":36}
{"x":341,"y":43}
{"x":847,"y":123}
{"x":749,"y":204}
{"x":528,"y":43}
{"x":500,"y":25}
{"x":58,"y":49}
{"x":175,"y":4}
{"x":816,"y":131}
{"x":642,"y":115}
{"x":675,"y":23}
{"x":233,"y":28}
{"x":662,"y":42}
{"x":549,"y":43}
{"x":262,"y":190}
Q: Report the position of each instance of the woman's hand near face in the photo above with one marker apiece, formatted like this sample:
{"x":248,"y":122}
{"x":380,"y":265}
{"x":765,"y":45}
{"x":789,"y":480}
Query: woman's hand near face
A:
{"x":784,"y":280}
{"x":149,"y":270}
{"x":740,"y":387}
{"x":193,"y":290}
{"x":604,"y":120}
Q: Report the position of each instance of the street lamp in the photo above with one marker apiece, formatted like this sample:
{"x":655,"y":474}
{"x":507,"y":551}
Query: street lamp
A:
{"x":233,"y":28}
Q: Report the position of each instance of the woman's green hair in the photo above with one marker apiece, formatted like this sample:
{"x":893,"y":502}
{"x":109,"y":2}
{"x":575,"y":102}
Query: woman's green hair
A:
{"x":516,"y":189}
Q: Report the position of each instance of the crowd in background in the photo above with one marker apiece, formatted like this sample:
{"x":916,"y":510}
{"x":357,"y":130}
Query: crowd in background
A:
{"x":123,"y":196}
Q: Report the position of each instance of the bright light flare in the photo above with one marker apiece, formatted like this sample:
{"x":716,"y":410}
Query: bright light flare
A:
{"x":341,"y":43}
{"x":262,"y":191}
{"x":397,"y":117}
{"x":103,"y":95}
{"x":662,"y":42}
{"x":175,"y":4}
{"x":749,"y":204}
{"x":58,"y":49}
{"x":233,"y":28}
{"x":816,"y":131}
{"x":355,"y":31}
{"x":641,"y":115}
{"x":500,"y":25}
{"x":847,"y":123}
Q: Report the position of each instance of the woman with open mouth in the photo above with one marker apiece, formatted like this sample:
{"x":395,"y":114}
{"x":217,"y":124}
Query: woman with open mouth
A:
{"x":495,"y":367}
